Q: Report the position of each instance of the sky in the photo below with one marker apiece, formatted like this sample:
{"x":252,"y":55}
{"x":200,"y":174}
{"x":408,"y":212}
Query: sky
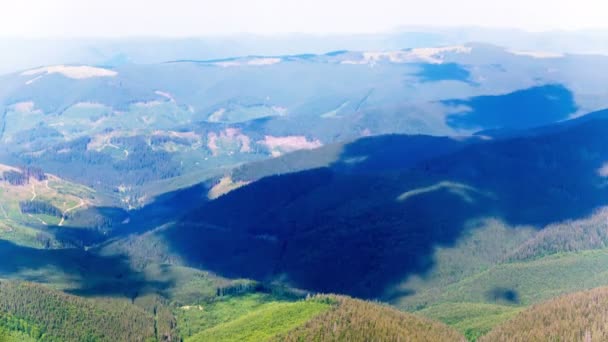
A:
{"x":178,"y":18}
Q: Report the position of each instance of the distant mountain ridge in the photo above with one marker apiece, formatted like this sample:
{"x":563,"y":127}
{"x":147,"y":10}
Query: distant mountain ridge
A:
{"x":148,"y":50}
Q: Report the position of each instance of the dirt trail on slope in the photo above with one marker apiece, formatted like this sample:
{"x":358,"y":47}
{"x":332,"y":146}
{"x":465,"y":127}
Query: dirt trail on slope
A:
{"x":33,"y":192}
{"x":70,"y":209}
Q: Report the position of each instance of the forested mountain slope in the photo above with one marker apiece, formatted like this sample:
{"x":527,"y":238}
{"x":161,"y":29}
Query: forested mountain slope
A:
{"x":576,"y":317}
{"x":363,"y":232}
{"x":47,"y":315}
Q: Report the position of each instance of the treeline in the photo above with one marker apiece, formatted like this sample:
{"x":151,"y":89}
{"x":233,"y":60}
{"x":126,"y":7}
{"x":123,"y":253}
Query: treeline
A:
{"x":40,"y":208}
{"x":33,"y":172}
{"x":15,"y":178}
{"x":23,"y":176}
{"x":165,"y":322}
{"x":240,"y":288}
{"x":355,"y":320}
{"x":50,"y":315}
{"x":576,"y":317}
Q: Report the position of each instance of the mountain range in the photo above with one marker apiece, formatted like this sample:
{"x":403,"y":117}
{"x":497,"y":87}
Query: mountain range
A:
{"x":230,"y":199}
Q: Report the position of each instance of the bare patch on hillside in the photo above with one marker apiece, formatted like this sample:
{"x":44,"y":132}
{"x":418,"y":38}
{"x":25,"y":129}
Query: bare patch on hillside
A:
{"x":74,"y":72}
{"x":228,"y":141}
{"x":281,"y":145}
{"x":225,"y":185}
{"x":426,"y":55}
{"x":100,"y":141}
{"x":256,"y":61}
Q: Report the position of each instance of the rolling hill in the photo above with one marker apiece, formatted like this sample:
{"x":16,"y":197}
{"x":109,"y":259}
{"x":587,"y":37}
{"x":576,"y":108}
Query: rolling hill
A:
{"x":43,"y":314}
{"x":31,"y":312}
{"x":272,"y":317}
{"x":579,"y":316}
{"x":356,"y":320}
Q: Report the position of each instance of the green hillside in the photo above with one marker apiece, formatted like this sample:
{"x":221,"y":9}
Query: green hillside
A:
{"x":31,"y":202}
{"x":265,"y":317}
{"x":474,"y":304}
{"x":263,"y":323}
{"x":204,"y":315}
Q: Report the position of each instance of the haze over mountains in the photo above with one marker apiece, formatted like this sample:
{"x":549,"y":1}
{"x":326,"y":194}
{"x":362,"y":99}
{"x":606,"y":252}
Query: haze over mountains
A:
{"x":189,"y":197}
{"x":34,"y":52}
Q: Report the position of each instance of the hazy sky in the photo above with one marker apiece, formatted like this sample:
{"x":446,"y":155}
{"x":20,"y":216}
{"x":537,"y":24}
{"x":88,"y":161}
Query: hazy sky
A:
{"x":43,"y":18}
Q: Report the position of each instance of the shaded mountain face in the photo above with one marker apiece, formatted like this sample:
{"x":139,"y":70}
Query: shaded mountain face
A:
{"x":136,"y":133}
{"x":363,"y":223}
{"x":130,"y":130}
{"x":518,"y":110}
